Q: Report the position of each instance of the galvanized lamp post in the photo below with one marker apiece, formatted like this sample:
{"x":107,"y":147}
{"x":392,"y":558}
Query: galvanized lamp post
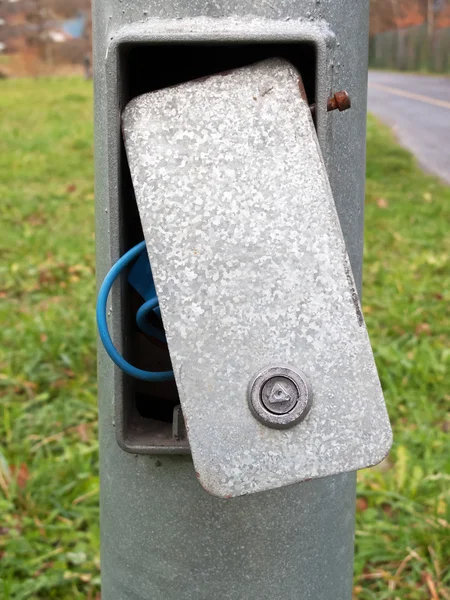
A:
{"x":274,"y":392}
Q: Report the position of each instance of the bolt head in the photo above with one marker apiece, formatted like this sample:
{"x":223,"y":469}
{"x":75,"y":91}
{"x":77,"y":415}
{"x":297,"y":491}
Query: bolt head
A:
{"x":279,"y":397}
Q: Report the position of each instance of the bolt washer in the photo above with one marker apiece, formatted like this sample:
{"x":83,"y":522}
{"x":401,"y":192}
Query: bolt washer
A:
{"x":280,"y":397}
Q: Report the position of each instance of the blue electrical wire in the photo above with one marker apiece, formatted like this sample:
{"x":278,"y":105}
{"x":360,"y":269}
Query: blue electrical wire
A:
{"x":143,"y":323}
{"x":102,"y":323}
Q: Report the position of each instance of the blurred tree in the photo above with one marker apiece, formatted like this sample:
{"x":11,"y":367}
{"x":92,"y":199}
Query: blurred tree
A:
{"x":386,"y":15}
{"x":431,"y":10}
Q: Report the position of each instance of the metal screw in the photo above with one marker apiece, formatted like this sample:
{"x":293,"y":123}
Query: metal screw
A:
{"x":279,"y":397}
{"x":339,"y":101}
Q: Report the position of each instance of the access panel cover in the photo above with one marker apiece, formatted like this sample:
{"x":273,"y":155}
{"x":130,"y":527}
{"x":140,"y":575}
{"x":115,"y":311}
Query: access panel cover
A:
{"x":271,"y":356}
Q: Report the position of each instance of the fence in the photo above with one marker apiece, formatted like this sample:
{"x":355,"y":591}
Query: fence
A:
{"x":411,"y":50}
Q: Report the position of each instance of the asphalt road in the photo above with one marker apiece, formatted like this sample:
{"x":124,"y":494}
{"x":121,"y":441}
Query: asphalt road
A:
{"x":417,"y":107}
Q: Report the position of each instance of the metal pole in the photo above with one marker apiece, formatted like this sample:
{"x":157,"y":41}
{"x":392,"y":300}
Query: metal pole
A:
{"x":163,"y":536}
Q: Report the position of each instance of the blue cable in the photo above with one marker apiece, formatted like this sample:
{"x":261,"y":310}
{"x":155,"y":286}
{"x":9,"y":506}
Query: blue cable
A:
{"x":102,"y":323}
{"x":143,"y":323}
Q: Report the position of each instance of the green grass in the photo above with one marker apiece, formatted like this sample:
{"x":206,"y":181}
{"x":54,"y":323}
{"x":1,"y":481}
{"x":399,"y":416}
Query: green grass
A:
{"x":403,"y":530}
{"x":48,"y":461}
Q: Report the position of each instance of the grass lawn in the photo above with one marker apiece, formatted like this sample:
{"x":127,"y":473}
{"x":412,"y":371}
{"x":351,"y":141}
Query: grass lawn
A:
{"x":48,"y":454}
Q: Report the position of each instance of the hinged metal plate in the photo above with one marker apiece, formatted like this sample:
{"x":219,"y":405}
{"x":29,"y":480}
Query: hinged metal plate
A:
{"x":252,"y":272}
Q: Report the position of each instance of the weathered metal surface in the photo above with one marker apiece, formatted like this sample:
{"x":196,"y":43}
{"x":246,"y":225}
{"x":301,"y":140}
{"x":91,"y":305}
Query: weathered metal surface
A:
{"x":165,"y":34}
{"x":251,"y":270}
{"x":162,"y":536}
